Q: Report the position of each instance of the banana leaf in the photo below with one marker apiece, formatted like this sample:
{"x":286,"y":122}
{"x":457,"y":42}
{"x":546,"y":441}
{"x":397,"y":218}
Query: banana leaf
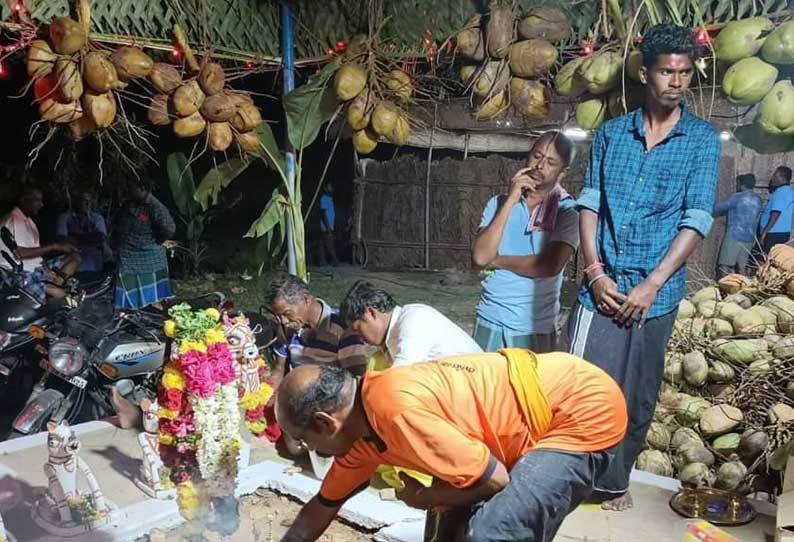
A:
{"x":310,"y":106}
{"x":217,"y":179}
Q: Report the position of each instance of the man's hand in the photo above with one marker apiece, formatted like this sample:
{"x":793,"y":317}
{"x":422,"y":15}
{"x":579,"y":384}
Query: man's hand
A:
{"x":418,"y":496}
{"x":168,"y":245}
{"x":607,"y":297}
{"x":66,"y":247}
{"x":637,"y":304}
{"x":521,"y":182}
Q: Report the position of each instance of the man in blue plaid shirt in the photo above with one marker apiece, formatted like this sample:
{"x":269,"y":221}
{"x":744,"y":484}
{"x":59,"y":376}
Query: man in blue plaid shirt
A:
{"x":646,"y":204}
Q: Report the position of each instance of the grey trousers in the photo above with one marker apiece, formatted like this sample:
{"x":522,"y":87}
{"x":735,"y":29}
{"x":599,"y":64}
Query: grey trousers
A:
{"x":634,"y":357}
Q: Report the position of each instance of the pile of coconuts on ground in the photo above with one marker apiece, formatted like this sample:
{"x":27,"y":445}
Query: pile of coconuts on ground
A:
{"x":77,"y":83}
{"x":725,"y":410}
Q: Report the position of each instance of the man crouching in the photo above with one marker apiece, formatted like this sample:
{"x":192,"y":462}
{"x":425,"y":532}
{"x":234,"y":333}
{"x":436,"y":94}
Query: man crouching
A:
{"x":521,"y":436}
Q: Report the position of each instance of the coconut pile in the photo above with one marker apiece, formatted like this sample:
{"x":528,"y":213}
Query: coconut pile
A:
{"x":375,"y":94}
{"x":725,"y":407}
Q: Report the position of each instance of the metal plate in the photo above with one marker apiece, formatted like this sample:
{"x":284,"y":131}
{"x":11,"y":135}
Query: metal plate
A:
{"x":713,"y":505}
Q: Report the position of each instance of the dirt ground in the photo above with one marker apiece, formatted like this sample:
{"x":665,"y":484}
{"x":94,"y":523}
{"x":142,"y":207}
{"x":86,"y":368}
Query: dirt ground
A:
{"x":264,"y":517}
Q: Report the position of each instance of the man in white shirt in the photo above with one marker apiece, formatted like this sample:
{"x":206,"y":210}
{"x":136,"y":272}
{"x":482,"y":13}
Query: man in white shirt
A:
{"x":409,"y":334}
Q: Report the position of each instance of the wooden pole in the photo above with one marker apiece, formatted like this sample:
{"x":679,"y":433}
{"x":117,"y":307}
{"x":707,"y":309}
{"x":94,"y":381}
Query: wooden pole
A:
{"x":427,"y":189}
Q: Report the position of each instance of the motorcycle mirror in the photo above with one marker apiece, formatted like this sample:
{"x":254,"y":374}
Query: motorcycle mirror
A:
{"x":125,"y":387}
{"x":8,"y":238}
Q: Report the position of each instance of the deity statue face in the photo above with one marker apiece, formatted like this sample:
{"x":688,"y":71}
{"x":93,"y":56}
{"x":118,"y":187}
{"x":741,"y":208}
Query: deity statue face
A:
{"x":61,"y":440}
{"x":241,"y":339}
{"x":150,"y":418}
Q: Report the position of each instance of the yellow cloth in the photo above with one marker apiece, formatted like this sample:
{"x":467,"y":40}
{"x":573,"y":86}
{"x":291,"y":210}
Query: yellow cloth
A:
{"x":379,"y":361}
{"x":522,"y":369}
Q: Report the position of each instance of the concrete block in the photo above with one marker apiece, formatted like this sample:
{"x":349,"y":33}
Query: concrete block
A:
{"x":405,"y":531}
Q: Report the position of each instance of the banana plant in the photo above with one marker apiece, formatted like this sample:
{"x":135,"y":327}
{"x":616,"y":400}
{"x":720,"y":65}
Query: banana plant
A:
{"x":307,"y":108}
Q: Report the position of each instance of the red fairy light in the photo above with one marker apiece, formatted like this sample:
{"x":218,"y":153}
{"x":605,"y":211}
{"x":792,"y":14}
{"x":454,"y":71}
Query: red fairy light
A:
{"x":587,"y":48}
{"x":176,"y":52}
{"x":331,"y":52}
{"x":2,"y":69}
{"x":449,"y":46}
{"x":428,"y":42}
{"x":18,"y":6}
{"x":250,"y":64}
{"x":341,"y":46}
{"x":702,"y":37}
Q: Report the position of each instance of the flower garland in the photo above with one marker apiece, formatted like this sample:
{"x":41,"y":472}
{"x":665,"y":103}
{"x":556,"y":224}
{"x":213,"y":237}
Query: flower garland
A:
{"x":199,"y":430}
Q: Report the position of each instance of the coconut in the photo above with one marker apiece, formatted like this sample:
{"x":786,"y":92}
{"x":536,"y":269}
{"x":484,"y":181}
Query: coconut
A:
{"x":730,"y":475}
{"x":532,"y":58}
{"x":752,"y":444}
{"x":732,"y":283}
{"x":685,"y":309}
{"x":158,"y":110}
{"x":239,"y":98}
{"x":696,"y":368}
{"x":100,"y":73}
{"x":568,"y":82}
{"x":717,"y":327}
{"x":246,"y":118}
{"x":663,"y":415}
{"x":748,"y":81}
{"x":689,"y":410}
{"x":782,"y":257}
{"x":470,"y":40}
{"x":591,"y":113}
{"x":761,"y":367}
{"x":248,"y":141}
{"x":783,"y":307}
{"x":190,"y":126}
{"x":696,"y":474}
{"x":707,"y":308}
{"x":219,"y":136}
{"x":776,"y":113}
{"x":673,"y":372}
{"x":749,"y":322}
{"x":384,"y":117}
{"x":66,"y":35}
{"x":727,"y":444}
{"x":669,"y":396}
{"x":547,"y":23}
{"x":349,"y":80}
{"x":709,"y":293}
{"x":778,"y":46}
{"x":54,"y":111}
{"x":721,"y":372}
{"x":131,"y":62}
{"x":655,"y":462}
{"x":781,"y":413}
{"x":790,"y":390}
{"x":633,"y":65}
{"x":768,"y":317}
{"x":695,"y":453}
{"x":100,"y":108}
{"x":400,"y":132}
{"x":499,"y":30}
{"x":492,"y":107}
{"x":357,"y":45}
{"x":399,"y":83}
{"x":211,"y":78}
{"x":165,"y":78}
{"x":601,"y":71}
{"x":530,"y":98}
{"x":790,"y":288}
{"x":683,"y":437}
{"x":772,"y":339}
{"x":658,"y":436}
{"x":492,"y":79}
{"x":70,"y":83}
{"x":727,"y":310}
{"x":360,"y":110}
{"x":742,"y":351}
{"x":784,"y":348}
{"x":41,"y":59}
{"x":467,"y":72}
{"x":740,"y":299}
{"x":188,"y":98}
{"x":741,"y":39}
{"x":698,"y":326}
{"x":365,"y":141}
{"x":218,"y":108}
{"x":720,"y":419}
{"x":47,"y":87}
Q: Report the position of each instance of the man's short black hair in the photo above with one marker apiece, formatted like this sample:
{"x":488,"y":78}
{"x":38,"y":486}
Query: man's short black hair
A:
{"x":746,"y":181}
{"x":785,"y":172}
{"x":363,"y":296}
{"x":667,"y":39}
{"x":329,"y":392}
{"x":562,"y":144}
{"x":287,"y":287}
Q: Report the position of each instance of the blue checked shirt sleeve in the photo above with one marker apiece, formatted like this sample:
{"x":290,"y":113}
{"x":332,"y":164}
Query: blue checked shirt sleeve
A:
{"x":701,"y":186}
{"x":590,"y":196}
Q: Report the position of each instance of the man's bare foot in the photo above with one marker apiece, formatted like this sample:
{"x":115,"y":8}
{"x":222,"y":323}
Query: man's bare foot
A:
{"x":619,"y":504}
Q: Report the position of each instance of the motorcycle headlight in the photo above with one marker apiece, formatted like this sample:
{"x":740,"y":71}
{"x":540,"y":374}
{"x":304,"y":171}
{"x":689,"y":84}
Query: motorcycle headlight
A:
{"x":67,"y":356}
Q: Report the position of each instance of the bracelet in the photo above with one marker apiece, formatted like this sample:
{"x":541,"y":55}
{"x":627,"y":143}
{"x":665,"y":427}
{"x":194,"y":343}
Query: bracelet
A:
{"x":593,"y":267}
{"x":596,"y":279}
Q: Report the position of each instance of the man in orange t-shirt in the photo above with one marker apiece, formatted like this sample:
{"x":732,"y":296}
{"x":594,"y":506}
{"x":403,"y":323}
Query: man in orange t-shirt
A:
{"x":463,"y":420}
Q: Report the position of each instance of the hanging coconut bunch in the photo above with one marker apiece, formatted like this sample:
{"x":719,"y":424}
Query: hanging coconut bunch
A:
{"x":376,"y":94}
{"x":727,"y":401}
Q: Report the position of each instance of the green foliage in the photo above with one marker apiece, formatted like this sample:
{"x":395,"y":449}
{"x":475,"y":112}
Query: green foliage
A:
{"x":310,"y":106}
{"x":217,"y":179}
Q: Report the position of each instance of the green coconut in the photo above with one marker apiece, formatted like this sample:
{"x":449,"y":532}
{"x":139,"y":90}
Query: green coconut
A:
{"x":741,"y":39}
{"x":655,"y":462}
{"x":776,"y":113}
{"x":761,"y":367}
{"x":784,"y":349}
{"x":727,"y":310}
{"x":674,"y":372}
{"x":752,"y":444}
{"x":492,"y":79}
{"x":720,"y":419}
{"x":697,"y":475}
{"x":591,"y":113}
{"x":768,"y":317}
{"x":721,"y":372}
{"x":707,"y":309}
{"x":778,"y":47}
{"x":740,"y":299}
{"x":683,"y":437}
{"x":742,"y":351}
{"x":717,"y":327}
{"x":781,"y":413}
{"x":532,"y":58}
{"x":727,"y":444}
{"x":748,"y":81}
{"x":601,"y":71}
{"x":663,"y":415}
{"x":709,"y":293}
{"x":633,"y":65}
{"x":783,"y":307}
{"x":730,"y":475}
{"x":685,"y":309}
{"x":568,"y":82}
{"x":547,"y":23}
{"x":470,"y":41}
{"x":749,"y":322}
{"x":658,"y":436}
{"x":690,"y":408}
{"x":696,"y":368}
{"x":529,"y":97}
{"x":349,"y":80}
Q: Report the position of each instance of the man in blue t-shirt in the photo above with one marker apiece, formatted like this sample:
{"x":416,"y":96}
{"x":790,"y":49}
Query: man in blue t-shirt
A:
{"x":742,"y":209}
{"x":86,"y":229}
{"x":525,"y":239}
{"x":327,"y":226}
{"x":775,"y":225}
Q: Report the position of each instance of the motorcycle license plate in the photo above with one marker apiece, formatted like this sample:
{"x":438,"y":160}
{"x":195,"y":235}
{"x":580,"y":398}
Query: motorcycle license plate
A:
{"x":76,"y":381}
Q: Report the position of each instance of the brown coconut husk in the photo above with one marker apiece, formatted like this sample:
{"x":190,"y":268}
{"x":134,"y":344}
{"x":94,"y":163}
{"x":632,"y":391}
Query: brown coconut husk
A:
{"x":165,"y":78}
{"x":530,"y":98}
{"x":212,"y":78}
{"x":248,"y":141}
{"x":158,"y":110}
{"x":499,"y":30}
{"x":41,"y":59}
{"x":66,"y":35}
{"x":190,"y":126}
{"x":99,"y":72}
{"x":219,"y":136}
{"x":532,"y":58}
{"x":188,"y":98}
{"x":218,"y":108}
{"x":547,"y":23}
{"x":100,"y":108}
{"x":131,"y":63}
{"x":246,"y":118}
{"x":470,"y":40}
{"x":58,"y":112}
